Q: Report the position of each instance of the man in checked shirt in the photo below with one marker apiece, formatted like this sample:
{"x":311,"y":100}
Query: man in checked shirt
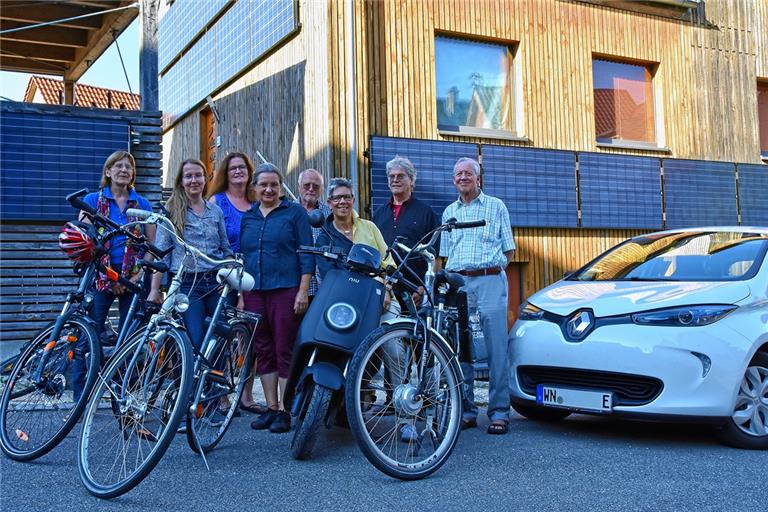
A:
{"x":480,"y":255}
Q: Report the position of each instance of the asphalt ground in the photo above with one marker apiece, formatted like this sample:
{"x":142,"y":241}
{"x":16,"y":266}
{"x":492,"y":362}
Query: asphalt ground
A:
{"x":581,"y":463}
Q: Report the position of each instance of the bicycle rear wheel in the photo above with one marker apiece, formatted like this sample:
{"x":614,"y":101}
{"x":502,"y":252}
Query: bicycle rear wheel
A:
{"x":222,"y":390}
{"x":134,"y":410}
{"x":419,"y":436}
{"x":36,"y":414}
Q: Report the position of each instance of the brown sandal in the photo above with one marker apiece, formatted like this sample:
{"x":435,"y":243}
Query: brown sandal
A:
{"x":498,"y":427}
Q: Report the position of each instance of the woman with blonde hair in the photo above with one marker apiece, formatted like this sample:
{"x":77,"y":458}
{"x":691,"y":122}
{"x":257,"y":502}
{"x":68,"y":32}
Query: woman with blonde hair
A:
{"x":201,"y":224}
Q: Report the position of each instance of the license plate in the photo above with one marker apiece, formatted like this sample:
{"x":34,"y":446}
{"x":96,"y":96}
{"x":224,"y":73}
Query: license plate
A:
{"x":576,"y":399}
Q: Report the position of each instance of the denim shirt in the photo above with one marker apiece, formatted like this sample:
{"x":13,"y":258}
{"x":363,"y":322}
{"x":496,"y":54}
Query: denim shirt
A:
{"x":117,"y":247}
{"x":205,"y":232}
{"x":269,"y":245}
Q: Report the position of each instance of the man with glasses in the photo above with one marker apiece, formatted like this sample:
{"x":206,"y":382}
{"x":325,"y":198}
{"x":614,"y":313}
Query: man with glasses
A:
{"x":481,"y":255}
{"x":402,"y":216}
{"x":310,"y":190}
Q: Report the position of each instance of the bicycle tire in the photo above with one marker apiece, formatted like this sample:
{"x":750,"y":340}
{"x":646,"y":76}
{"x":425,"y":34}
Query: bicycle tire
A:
{"x":156,"y":371}
{"x":36,"y":417}
{"x":232,"y":356}
{"x":308,"y":428}
{"x":435,"y":417}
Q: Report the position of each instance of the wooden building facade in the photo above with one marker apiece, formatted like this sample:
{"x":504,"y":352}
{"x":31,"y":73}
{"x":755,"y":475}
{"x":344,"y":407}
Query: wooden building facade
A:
{"x":357,"y":69}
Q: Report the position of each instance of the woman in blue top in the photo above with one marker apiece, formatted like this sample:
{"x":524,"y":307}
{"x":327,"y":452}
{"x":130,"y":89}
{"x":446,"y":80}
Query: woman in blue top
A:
{"x":116,"y":194}
{"x":231,"y":191}
{"x":271,"y":233}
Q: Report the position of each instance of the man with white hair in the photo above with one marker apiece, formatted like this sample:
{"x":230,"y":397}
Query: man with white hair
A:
{"x":310,"y":190}
{"x":481,"y":255}
{"x":410,"y":218}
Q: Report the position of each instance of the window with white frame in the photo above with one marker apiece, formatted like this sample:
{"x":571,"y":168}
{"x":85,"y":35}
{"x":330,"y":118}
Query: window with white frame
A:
{"x":474,"y":85}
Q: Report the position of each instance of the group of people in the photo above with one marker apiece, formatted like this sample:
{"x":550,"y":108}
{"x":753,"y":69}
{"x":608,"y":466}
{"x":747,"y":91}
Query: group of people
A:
{"x":244,"y":210}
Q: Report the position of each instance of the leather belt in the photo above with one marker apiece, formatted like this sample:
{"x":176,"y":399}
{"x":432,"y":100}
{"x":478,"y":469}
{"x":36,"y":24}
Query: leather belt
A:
{"x":479,"y":272}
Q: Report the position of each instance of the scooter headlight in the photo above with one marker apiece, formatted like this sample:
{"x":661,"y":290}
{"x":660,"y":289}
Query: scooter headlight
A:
{"x":341,"y":316}
{"x":181,"y":302}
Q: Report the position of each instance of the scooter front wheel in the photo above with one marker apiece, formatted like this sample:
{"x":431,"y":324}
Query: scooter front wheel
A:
{"x":405,"y":429}
{"x":308,"y":428}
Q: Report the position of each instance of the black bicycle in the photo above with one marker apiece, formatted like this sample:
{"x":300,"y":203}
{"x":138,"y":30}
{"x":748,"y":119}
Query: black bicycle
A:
{"x":37,"y":407}
{"x":416,"y":432}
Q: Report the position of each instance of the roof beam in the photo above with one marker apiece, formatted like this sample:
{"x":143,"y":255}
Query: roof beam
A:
{"x":54,"y":35}
{"x":52,"y":12}
{"x":99,"y":40}
{"x":37,"y":51}
{"x":31,"y":66}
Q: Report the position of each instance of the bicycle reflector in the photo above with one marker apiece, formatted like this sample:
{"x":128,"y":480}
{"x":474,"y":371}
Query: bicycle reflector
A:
{"x":78,"y":241}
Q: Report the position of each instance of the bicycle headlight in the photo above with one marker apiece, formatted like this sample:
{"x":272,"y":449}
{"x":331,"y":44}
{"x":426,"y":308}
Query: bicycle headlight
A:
{"x":181,"y":302}
{"x":684,"y":316}
{"x":530,"y":312}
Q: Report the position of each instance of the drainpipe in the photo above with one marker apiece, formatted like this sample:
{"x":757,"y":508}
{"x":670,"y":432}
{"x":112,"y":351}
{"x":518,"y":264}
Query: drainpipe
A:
{"x":352,"y":99}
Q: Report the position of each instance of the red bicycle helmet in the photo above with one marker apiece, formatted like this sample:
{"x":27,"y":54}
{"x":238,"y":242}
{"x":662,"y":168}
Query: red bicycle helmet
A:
{"x":78,"y":241}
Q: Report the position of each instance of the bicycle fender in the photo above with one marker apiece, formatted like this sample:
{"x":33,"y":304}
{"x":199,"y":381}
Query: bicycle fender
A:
{"x":325,"y":374}
{"x":400,"y":320}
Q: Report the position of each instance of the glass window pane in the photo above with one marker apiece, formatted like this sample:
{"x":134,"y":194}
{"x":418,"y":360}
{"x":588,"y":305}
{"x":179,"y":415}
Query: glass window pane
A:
{"x":762,"y":115}
{"x":623,"y":102}
{"x":473,"y":84}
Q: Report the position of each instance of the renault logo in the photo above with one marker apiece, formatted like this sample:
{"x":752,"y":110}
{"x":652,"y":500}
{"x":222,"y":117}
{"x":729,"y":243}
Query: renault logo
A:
{"x":579,"y":325}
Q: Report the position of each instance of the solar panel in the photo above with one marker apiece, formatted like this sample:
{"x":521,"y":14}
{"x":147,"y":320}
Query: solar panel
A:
{"x":434,"y":161}
{"x":620,"y":191}
{"x":181,"y":24}
{"x":44,"y":157}
{"x":537,"y":185}
{"x":699,"y":193}
{"x":753,"y":194}
{"x":246,"y":30}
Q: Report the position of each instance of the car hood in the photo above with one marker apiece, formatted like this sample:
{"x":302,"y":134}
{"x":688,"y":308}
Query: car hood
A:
{"x":608,"y":298}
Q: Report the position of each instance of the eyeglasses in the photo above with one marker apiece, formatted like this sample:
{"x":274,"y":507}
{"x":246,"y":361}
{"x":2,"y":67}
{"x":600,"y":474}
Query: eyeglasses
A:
{"x":238,"y":168}
{"x":341,"y":197}
{"x":309,"y":186}
{"x":397,"y":177}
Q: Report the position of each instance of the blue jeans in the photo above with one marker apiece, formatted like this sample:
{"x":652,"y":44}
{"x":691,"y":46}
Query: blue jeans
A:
{"x":491,"y":293}
{"x":202,"y":303}
{"x":102,"y":302}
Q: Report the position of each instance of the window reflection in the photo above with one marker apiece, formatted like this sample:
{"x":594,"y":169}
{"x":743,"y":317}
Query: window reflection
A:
{"x":623,"y":102}
{"x":473,"y":84}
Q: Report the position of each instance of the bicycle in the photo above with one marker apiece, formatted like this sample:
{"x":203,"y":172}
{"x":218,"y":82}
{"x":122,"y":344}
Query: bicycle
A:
{"x":36,"y":411}
{"x":155,"y":379}
{"x":435,"y":338}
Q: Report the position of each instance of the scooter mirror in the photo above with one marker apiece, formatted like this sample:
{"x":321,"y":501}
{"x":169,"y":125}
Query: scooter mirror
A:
{"x":316,"y":219}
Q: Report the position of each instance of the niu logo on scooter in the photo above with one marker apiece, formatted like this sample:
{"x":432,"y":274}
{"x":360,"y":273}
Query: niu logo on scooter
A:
{"x":356,"y":281}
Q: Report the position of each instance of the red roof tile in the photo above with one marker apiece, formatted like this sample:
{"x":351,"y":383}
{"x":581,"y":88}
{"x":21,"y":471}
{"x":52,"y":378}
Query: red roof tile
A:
{"x":52,"y":92}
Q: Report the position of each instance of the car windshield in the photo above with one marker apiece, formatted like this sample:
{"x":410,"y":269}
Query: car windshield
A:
{"x":688,"y":256}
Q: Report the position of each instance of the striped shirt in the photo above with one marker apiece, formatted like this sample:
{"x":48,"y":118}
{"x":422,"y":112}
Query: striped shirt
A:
{"x":477,"y":248}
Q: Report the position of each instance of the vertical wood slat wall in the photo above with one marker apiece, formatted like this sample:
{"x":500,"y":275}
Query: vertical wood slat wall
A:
{"x":278,"y":107}
{"x":706,"y":76}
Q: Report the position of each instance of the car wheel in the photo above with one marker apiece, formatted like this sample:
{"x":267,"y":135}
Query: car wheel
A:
{"x":538,"y":413}
{"x":748,"y":425}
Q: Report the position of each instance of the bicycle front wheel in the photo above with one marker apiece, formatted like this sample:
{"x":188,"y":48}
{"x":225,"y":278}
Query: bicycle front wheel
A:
{"x":37,"y":407}
{"x":230,"y":370}
{"x":415,"y":435}
{"x":134,"y":411}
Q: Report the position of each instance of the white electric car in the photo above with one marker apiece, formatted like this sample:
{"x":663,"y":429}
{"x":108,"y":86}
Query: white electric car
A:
{"x":667,"y":326}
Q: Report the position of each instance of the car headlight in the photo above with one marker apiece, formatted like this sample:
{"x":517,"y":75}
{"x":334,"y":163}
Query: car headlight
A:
{"x":181,"y":302}
{"x":530,"y":312}
{"x":685,"y":316}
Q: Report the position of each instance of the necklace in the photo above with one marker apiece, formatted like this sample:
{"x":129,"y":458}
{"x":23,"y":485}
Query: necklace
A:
{"x":345,"y":231}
